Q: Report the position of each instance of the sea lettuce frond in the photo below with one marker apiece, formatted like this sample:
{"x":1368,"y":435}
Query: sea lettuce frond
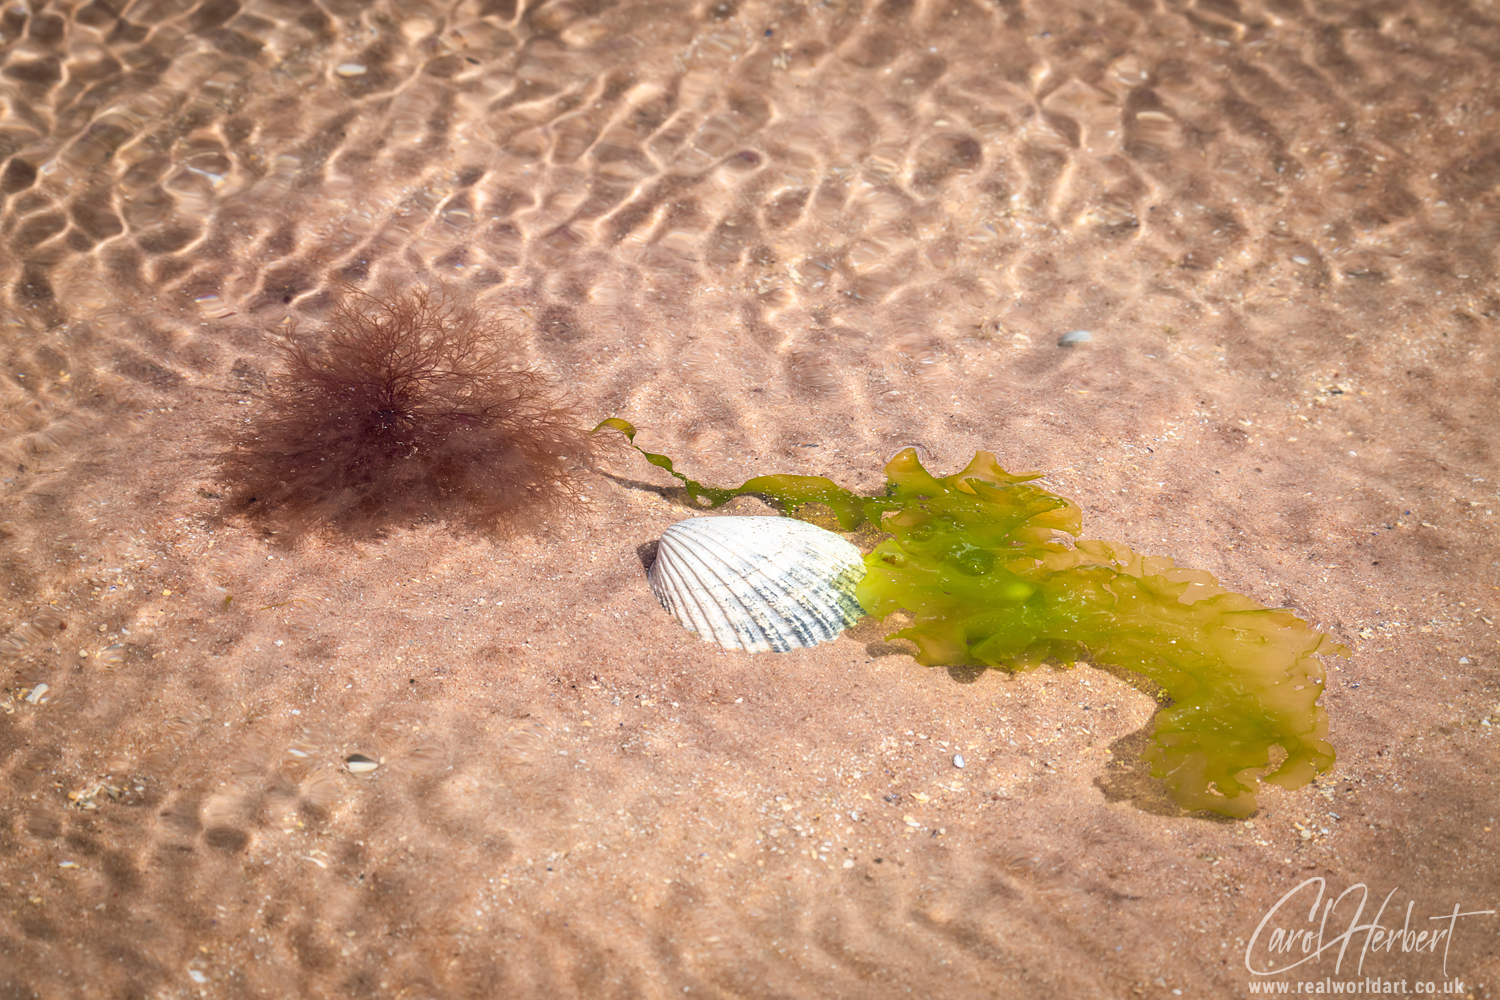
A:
{"x":974,"y":561}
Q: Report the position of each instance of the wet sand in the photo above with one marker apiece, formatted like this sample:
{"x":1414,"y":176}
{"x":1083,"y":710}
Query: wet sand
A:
{"x":776,"y":239}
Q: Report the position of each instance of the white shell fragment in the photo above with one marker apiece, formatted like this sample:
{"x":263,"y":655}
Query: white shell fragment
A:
{"x":358,"y":763}
{"x":760,"y":584}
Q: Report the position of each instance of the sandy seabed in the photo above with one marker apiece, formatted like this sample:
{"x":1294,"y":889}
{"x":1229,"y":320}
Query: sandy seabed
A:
{"x":778,"y":238}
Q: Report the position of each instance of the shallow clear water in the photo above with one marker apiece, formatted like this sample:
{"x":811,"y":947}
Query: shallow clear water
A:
{"x":777,"y":238}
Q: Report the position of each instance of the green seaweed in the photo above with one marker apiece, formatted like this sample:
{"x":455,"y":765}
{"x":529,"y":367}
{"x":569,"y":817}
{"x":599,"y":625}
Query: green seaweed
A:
{"x":974,"y":560}
{"x":791,"y":492}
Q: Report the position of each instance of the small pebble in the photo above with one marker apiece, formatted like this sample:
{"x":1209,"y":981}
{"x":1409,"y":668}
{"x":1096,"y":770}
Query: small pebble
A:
{"x":1463,"y":659}
{"x":1076,"y":337}
{"x":197,"y":976}
{"x":350,"y":69}
{"x":360,"y":764}
{"x":958,"y":760}
{"x":416,"y":28}
{"x":37,"y":694}
{"x":1300,"y":260}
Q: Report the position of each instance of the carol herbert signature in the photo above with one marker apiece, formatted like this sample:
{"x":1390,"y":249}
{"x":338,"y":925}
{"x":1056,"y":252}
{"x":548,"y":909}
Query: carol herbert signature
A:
{"x":1285,"y":940}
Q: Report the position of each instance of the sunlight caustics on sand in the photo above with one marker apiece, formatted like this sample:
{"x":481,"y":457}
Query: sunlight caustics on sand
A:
{"x":436,"y":754}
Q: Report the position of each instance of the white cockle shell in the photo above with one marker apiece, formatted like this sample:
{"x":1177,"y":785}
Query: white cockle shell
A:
{"x":759,"y":584}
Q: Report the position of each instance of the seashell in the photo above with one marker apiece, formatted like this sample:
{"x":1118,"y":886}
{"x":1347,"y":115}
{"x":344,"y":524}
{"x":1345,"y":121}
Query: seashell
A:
{"x":759,"y":584}
{"x":358,"y":763}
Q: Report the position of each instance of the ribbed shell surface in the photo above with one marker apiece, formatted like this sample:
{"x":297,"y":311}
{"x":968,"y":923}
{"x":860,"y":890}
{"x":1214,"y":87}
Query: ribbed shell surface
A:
{"x":761,"y":584}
